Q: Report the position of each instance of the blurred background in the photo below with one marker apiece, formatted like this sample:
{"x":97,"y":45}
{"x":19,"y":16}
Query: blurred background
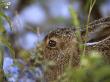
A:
{"x":33,"y":19}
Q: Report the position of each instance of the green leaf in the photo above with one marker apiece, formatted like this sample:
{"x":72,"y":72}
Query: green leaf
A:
{"x":2,"y":29}
{"x":5,"y":42}
{"x":1,"y":56}
{"x":74,"y":16}
{"x":7,"y":19}
{"x":1,"y":75}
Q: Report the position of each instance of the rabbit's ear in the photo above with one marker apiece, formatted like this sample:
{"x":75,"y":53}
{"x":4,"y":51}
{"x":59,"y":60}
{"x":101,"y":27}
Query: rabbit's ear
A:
{"x":97,"y":30}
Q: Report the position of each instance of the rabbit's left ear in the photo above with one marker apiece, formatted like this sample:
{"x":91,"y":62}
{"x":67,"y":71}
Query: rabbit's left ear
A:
{"x":97,"y":30}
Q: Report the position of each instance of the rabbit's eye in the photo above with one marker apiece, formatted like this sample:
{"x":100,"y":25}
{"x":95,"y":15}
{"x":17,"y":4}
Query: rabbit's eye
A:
{"x":52,"y":43}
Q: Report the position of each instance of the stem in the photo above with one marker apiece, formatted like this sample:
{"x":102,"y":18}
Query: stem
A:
{"x":1,"y":64}
{"x":88,"y":19}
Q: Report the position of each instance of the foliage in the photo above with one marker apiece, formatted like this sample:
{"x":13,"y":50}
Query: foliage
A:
{"x":4,"y":41}
{"x":92,"y":69}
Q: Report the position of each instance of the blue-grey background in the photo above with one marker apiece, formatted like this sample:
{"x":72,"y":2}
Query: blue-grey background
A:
{"x":32,"y":19}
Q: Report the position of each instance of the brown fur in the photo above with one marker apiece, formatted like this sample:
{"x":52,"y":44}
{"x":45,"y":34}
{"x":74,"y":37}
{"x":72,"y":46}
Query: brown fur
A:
{"x":63,"y":48}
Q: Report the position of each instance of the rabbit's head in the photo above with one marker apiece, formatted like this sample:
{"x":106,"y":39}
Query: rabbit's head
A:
{"x":60,"y":45}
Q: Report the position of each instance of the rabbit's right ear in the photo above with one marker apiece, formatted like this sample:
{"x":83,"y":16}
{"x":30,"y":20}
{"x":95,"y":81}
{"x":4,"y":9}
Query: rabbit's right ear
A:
{"x":97,"y":30}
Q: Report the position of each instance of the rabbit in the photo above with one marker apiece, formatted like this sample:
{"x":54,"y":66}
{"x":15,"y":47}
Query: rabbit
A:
{"x":62,"y":46}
